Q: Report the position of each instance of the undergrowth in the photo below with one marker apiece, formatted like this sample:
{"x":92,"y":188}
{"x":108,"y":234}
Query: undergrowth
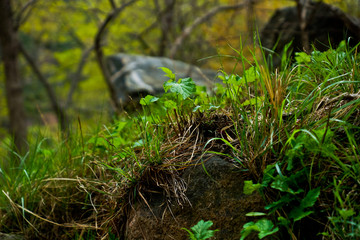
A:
{"x":295,"y":129}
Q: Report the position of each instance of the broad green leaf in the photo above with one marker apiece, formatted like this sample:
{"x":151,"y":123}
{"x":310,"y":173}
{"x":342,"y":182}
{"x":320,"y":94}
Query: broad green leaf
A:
{"x":302,"y":57}
{"x":201,"y":230}
{"x":268,"y":175}
{"x":310,"y":198}
{"x":185,"y":87}
{"x":170,"y":104}
{"x":250,"y":187}
{"x":278,"y":204}
{"x":168,"y":72}
{"x":148,"y":99}
{"x":283,"y":221}
{"x":266,"y":228}
{"x":298,"y":213}
{"x":263,"y":226}
{"x":251,"y":74}
{"x":247,"y":229}
{"x":233,"y":80}
{"x":267,"y":233}
{"x":280,"y":183}
{"x":346,"y":213}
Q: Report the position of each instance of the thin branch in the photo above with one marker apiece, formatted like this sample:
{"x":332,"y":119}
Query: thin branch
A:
{"x":112,"y":3}
{"x":140,"y":37}
{"x":204,"y":18}
{"x":19,"y":17}
{"x":77,"y":76}
{"x":59,"y":111}
{"x":100,"y":55}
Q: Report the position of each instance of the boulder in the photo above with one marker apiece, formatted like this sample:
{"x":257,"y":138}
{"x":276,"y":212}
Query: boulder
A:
{"x":215,"y":195}
{"x":136,"y":75}
{"x":326,"y":25}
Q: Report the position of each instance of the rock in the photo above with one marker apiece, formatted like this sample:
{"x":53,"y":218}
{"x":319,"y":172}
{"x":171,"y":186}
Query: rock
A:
{"x":137,"y":75}
{"x":326,"y":25}
{"x":217,"y":197}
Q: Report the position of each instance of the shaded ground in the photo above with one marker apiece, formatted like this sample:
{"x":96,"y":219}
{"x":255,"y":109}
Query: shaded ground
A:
{"x":216,"y":196}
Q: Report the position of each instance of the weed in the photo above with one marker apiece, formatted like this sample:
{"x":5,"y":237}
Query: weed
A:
{"x":201,"y":230}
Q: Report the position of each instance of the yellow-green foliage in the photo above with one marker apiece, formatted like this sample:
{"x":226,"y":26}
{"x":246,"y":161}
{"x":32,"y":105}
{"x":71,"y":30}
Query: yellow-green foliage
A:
{"x":57,"y":32}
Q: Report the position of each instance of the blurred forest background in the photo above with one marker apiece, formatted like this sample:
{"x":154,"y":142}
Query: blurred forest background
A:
{"x":57,"y":50}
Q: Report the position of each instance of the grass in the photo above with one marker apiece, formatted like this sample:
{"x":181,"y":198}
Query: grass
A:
{"x":296,"y":130}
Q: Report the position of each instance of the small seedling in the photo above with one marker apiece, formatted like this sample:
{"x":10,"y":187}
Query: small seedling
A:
{"x":201,"y":230}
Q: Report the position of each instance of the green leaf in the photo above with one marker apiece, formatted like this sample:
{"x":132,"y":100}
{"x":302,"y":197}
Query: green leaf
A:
{"x":233,"y":80}
{"x":286,"y":184}
{"x":268,"y":175}
{"x":148,"y":99}
{"x":250,"y":187}
{"x":184,"y":87}
{"x":138,"y":143}
{"x":280,"y":183}
{"x":278,"y":204}
{"x":247,"y":229}
{"x":267,"y":233}
{"x":266,"y":228}
{"x":191,"y":235}
{"x":251,"y":74}
{"x":201,"y":230}
{"x":298,"y":213}
{"x":255,"y":214}
{"x":283,"y":221}
{"x":170,"y":104}
{"x":168,"y":72}
{"x":263,"y":226}
{"x":346,"y":213}
{"x":310,"y":198}
{"x":302,"y":57}
{"x":253,"y":101}
{"x":197,"y":107}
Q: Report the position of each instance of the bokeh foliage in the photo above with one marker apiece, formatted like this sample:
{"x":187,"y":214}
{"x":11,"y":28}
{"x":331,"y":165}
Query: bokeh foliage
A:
{"x":56,"y":33}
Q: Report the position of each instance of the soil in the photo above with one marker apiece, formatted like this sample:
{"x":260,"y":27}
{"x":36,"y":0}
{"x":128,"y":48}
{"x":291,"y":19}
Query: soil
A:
{"x":215,"y":195}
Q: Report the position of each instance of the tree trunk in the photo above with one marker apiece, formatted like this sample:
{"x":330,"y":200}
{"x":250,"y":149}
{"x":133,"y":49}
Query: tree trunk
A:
{"x":302,"y":7}
{"x":13,"y":86}
{"x":250,"y":20}
{"x":100,"y":55}
{"x":166,"y":24}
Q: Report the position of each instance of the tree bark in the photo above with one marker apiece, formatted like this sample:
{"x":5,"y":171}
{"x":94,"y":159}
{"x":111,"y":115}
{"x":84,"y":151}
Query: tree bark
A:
{"x":250,"y":19}
{"x":166,"y":25}
{"x":302,"y":8}
{"x":100,"y":55}
{"x":13,"y":86}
